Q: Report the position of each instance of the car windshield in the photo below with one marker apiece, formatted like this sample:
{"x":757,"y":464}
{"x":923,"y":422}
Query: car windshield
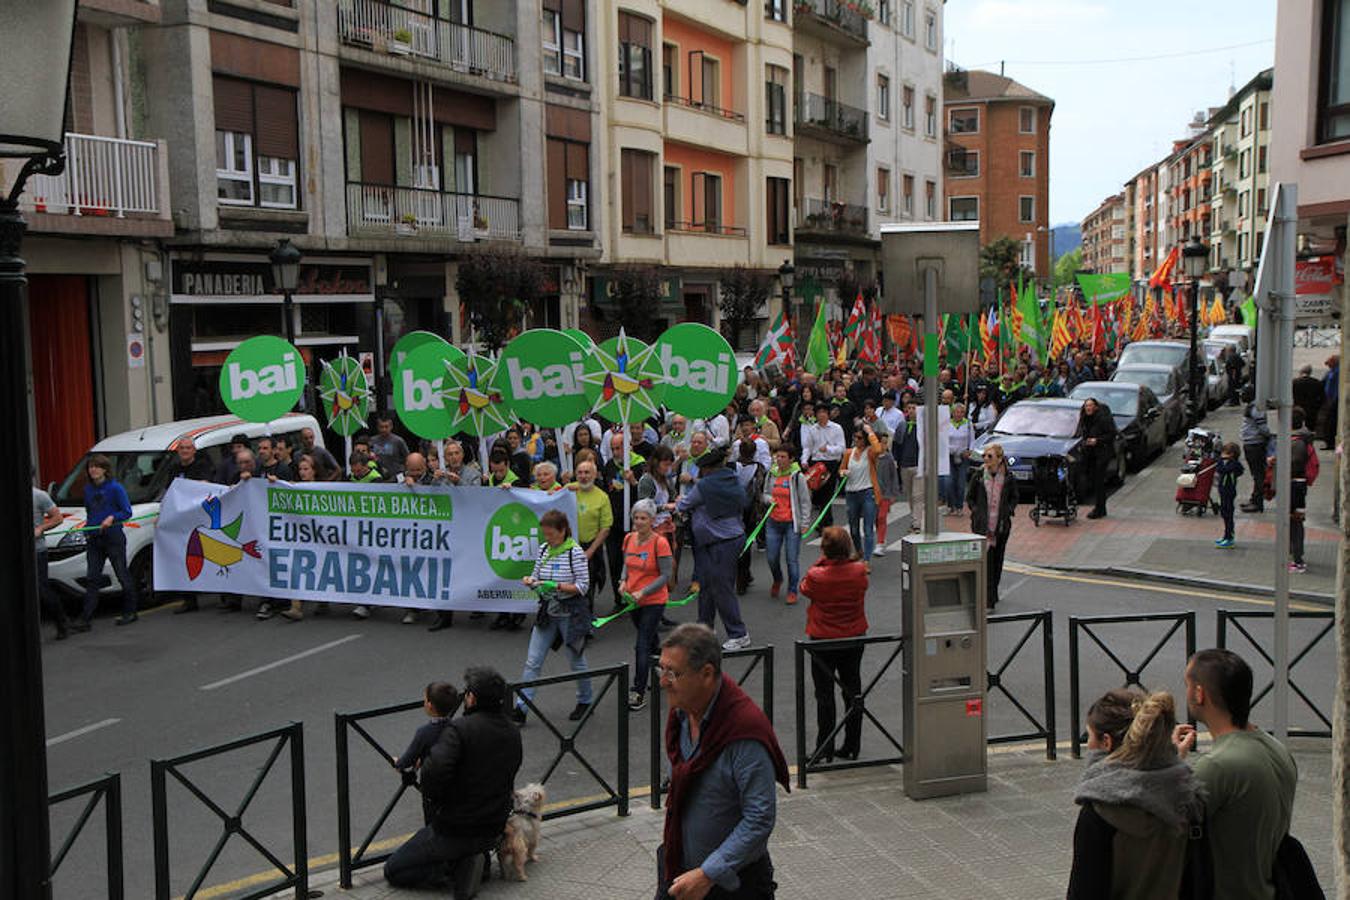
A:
{"x":1122,"y":401}
{"x":1155,"y":355}
{"x":1154,"y":381}
{"x":143,"y":475}
{"x":1213,"y":349}
{"x":1038,"y":420}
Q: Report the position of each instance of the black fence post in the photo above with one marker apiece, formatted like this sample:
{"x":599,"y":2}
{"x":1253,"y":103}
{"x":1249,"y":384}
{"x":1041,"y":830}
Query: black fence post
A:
{"x":344,"y":802}
{"x":621,"y":706}
{"x":1048,"y":654}
{"x":299,"y":831}
{"x":799,"y":654}
{"x":159,"y":812}
{"x":768,"y":682}
{"x":1221,"y":629}
{"x":1075,"y":744}
{"x":654,"y":698}
{"x":1190,"y":637}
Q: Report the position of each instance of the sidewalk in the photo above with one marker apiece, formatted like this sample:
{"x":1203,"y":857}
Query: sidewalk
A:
{"x":856,"y":836}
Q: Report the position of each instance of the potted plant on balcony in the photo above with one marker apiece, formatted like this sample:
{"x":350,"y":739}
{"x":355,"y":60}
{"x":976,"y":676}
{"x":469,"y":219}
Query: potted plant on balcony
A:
{"x":402,"y":43}
{"x":407,"y":224}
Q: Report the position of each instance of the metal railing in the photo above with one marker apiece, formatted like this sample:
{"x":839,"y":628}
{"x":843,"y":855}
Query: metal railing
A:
{"x":610,"y":676}
{"x":232,"y":823}
{"x":705,"y":228}
{"x":104,"y":176}
{"x":843,"y":15}
{"x":411,"y":211}
{"x":832,"y":216}
{"x":107,"y":789}
{"x":807,"y":763}
{"x":761,"y":658}
{"x":1044,"y":622}
{"x":1088,"y":624}
{"x":389,"y":28}
{"x":704,"y":106}
{"x":1227,"y":618}
{"x":814,"y":111}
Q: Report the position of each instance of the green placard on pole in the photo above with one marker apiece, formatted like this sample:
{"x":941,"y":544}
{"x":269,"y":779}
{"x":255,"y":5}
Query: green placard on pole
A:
{"x":930,"y":355}
{"x":407,"y":344}
{"x":262,"y":378}
{"x":541,"y":376}
{"x":699,"y":369}
{"x":420,"y":387}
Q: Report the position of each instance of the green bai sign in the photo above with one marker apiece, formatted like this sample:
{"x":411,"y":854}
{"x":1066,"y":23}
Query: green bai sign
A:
{"x":541,"y":376}
{"x":420,"y":390}
{"x":407,"y":344}
{"x":624,"y":380}
{"x":511,"y":541}
{"x":699,"y":369}
{"x":262,"y":379}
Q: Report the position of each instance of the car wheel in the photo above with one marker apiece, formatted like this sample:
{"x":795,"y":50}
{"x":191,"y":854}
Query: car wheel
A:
{"x":142,"y":571}
{"x":1119,"y":477}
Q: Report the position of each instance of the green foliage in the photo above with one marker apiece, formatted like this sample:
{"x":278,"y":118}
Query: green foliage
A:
{"x":496,"y":288}
{"x":744,"y":293}
{"x":1001,"y":260}
{"x":637,"y":292}
{"x":1067,"y":265}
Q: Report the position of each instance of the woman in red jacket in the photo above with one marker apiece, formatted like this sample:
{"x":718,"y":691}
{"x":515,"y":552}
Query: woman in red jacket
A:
{"x":836,"y":586}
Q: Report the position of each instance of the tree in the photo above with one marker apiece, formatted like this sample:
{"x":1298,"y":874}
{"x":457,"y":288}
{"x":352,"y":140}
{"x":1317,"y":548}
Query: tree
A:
{"x":849,"y":285}
{"x":637,"y":292}
{"x":1067,"y":266}
{"x":1001,"y":260}
{"x":743,"y":294}
{"x":496,"y":289}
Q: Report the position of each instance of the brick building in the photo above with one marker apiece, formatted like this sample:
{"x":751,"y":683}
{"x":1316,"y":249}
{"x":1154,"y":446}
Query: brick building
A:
{"x":998,"y":160}
{"x":1104,"y":237}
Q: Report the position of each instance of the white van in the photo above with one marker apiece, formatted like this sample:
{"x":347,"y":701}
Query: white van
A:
{"x":1241,"y":334}
{"x":142,"y":462}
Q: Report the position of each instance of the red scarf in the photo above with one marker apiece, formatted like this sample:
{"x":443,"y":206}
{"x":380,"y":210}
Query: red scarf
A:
{"x":735,"y":717}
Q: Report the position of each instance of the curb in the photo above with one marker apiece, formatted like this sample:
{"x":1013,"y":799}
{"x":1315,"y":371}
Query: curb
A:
{"x":1232,"y":587}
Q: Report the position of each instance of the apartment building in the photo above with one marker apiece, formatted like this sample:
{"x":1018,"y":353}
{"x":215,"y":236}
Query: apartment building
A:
{"x":1143,"y":222}
{"x":696,"y":148}
{"x":997,"y":147}
{"x":1241,"y":148}
{"x":1104,"y":237}
{"x":904,"y":157}
{"x":90,"y":248}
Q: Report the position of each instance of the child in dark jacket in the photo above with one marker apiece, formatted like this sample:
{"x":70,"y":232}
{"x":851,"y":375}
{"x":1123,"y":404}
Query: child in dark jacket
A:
{"x":1228,"y":472}
{"x":439,"y":701}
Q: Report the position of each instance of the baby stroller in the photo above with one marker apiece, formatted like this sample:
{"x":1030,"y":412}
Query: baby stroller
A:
{"x":1198,"y":464}
{"x":1055,"y":496}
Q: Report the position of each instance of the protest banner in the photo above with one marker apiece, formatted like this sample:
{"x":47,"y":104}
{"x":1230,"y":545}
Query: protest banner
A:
{"x":391,"y":545}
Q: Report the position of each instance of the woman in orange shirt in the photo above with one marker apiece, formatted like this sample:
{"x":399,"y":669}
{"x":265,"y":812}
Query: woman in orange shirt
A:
{"x":645,"y":579}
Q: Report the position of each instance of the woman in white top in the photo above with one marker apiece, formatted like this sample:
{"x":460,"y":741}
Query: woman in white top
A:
{"x":960,"y":435}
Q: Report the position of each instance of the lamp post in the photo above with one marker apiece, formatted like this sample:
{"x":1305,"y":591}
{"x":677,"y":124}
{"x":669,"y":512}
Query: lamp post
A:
{"x":35,"y":67}
{"x":286,"y":278}
{"x":1194,"y":259}
{"x":787,"y":276}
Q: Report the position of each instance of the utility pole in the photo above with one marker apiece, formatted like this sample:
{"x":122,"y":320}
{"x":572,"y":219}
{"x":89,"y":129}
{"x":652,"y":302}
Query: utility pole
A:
{"x":1340,"y":714}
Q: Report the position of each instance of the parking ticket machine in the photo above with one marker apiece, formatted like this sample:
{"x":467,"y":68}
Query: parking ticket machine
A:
{"x":942,"y":605}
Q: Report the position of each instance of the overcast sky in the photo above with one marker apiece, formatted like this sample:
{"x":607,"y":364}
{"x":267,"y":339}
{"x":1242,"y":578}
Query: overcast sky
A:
{"x":1112,"y":119}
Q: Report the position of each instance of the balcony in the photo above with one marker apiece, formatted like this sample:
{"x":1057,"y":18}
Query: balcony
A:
{"x":830,"y":217}
{"x":389,"y":29}
{"x":829,"y":119}
{"x":384,"y":211}
{"x":110,"y":186}
{"x":840,"y":21}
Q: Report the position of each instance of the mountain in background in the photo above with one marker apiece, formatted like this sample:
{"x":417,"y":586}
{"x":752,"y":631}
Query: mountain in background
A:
{"x":1068,"y":237}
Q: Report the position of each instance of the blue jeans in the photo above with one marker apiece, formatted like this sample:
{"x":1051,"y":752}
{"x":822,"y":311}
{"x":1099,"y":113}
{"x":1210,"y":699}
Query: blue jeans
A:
{"x":646,"y":619}
{"x":716,"y":565}
{"x":954,"y":485}
{"x":862,"y":505}
{"x":781,"y":535}
{"x":108,"y":545}
{"x":541,"y":640}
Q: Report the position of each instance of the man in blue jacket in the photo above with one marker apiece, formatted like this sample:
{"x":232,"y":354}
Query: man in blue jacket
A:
{"x":716,"y":504}
{"x":106,"y":507}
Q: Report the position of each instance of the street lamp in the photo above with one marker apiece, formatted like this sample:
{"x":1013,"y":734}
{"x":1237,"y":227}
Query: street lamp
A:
{"x":35,"y":66}
{"x":1194,"y":259}
{"x":787,"y":276}
{"x":286,"y":278}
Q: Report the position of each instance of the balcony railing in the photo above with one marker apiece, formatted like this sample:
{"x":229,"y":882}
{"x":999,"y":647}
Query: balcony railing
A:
{"x":104,"y":176}
{"x":705,"y":107}
{"x":846,"y":15}
{"x":417,"y":212}
{"x":815,"y":111}
{"x":388,"y":28}
{"x":832,"y":217}
{"x":706,"y":228}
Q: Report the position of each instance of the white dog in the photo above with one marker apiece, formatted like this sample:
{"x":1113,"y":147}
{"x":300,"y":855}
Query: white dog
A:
{"x":520,"y":838}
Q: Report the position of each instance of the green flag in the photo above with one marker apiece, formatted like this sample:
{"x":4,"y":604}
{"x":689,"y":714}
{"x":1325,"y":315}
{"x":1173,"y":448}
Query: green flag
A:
{"x":1030,"y":309}
{"x":1105,"y":288}
{"x":817,"y":360}
{"x":957,"y":335}
{"x":1249,"y":316}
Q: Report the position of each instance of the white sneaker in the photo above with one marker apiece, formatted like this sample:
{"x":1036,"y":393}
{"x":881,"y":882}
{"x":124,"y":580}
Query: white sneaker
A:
{"x":361,"y":612}
{"x":739,"y":643}
{"x":879,"y":551}
{"x":410,"y":618}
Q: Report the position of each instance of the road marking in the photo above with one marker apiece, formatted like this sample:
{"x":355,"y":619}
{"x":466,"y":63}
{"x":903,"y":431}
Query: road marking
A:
{"x":1146,"y":586}
{"x":80,"y":732}
{"x":278,"y":663}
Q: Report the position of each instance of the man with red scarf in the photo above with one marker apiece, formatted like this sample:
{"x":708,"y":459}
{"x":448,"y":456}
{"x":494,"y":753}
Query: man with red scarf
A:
{"x":724,"y":760}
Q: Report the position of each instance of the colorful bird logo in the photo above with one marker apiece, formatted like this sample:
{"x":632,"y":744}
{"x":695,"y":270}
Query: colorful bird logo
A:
{"x":345,"y":393}
{"x":218,"y":544}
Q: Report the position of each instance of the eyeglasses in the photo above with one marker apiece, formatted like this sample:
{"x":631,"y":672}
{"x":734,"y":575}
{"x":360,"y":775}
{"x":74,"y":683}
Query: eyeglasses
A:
{"x":662,"y":673}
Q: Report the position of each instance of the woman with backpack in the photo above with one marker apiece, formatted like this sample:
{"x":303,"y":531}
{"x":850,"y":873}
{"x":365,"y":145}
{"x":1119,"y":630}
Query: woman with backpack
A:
{"x":750,"y":473}
{"x":858,"y":469}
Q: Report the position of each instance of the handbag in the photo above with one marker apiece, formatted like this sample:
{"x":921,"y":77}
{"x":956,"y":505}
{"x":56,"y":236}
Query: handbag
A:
{"x":1197,"y":878}
{"x":1295,"y":878}
{"x":816,"y":475}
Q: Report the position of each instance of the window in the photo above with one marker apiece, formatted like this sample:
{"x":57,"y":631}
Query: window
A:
{"x":552,"y":41}
{"x":1246,"y":122}
{"x":775,"y":99}
{"x":907,"y":195}
{"x":907,"y":18}
{"x":1261,"y":159}
{"x":776,"y":10}
{"x":1026,"y":119}
{"x":257,"y":144}
{"x":963,"y":121}
{"x":1333,"y":106}
{"x":670,"y":70}
{"x":1027,"y":163}
{"x":709,"y":80}
{"x":635,"y":56}
{"x":1256,"y":248}
{"x":1242,"y":245}
{"x":576,"y":205}
{"x":930,"y":35}
{"x":964,"y":209}
{"x":636,"y":188}
{"x":1264,"y":119}
{"x":778,"y":212}
{"x":1026,"y":209}
{"x":569,"y":175}
{"x":830,"y":181}
{"x":883,"y":98}
{"x":1244,"y":163}
{"x":884,"y":12}
{"x":705,"y":189}
{"x":963,"y":163}
{"x":574,"y":55}
{"x":670,"y":196}
{"x":883,"y":190}
{"x":930,"y":200}
{"x":1261,"y":202}
{"x":907,"y":107}
{"x":1243,"y":199}
{"x":564,"y":39}
{"x":930,"y":116}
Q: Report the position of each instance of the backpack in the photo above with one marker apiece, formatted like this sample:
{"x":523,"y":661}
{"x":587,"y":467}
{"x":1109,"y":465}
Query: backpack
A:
{"x":1295,"y":878}
{"x":1312,"y":467}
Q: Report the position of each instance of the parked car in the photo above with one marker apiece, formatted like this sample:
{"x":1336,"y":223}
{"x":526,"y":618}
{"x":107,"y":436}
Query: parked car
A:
{"x":1030,"y":429}
{"x":1138,"y":414}
{"x":142,"y":461}
{"x":1176,"y":354}
{"x":1167,"y":385}
{"x":1216,"y":373}
{"x":1242,"y":334}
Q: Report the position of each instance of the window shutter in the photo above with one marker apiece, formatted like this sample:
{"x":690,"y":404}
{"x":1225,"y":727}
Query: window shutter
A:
{"x":578,"y":162}
{"x":234,"y":105}
{"x":628,"y":162}
{"x":377,"y":148}
{"x":642,"y":192}
{"x":557,"y":184}
{"x":574,"y":15}
{"x":278,"y":133}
